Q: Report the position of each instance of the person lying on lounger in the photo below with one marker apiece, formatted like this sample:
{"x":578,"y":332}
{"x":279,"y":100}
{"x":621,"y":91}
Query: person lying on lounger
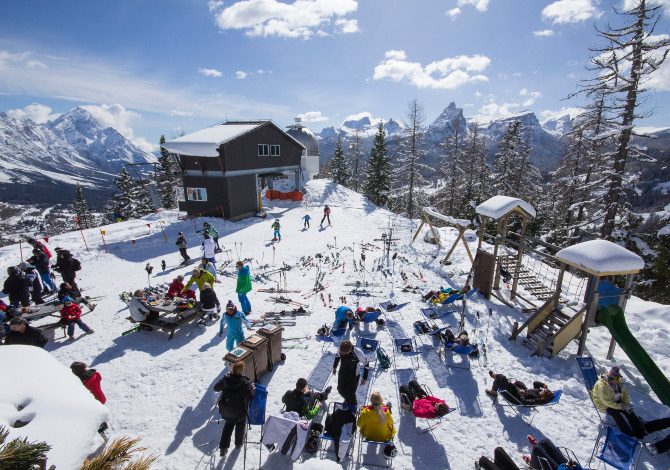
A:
{"x":422,"y":404}
{"x":518,"y":393}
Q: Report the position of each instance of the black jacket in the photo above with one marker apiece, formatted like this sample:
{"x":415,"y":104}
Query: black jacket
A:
{"x":294,"y":401}
{"x":236,"y":393}
{"x":65,"y":264}
{"x":181,"y":242}
{"x":31,"y":337}
{"x":17,"y":286}
{"x":208,"y":299}
{"x":41,"y":262}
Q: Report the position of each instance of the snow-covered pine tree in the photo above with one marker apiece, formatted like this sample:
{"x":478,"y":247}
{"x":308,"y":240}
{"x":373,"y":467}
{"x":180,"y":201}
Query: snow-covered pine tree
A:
{"x":409,"y":176}
{"x":632,"y":52}
{"x":477,"y":173}
{"x":356,"y":159}
{"x":339,"y":171}
{"x":451,"y":167}
{"x":123,"y":198}
{"x":142,"y":198}
{"x":167,"y":177}
{"x":504,"y":163}
{"x":378,"y":175}
{"x":81,"y":209}
{"x":526,"y":177}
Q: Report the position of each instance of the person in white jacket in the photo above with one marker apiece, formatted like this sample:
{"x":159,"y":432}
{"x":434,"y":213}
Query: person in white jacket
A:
{"x":209,"y":249}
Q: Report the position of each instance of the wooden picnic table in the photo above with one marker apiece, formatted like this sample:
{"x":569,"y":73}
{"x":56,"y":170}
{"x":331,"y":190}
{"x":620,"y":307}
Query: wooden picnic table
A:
{"x":170,"y":318}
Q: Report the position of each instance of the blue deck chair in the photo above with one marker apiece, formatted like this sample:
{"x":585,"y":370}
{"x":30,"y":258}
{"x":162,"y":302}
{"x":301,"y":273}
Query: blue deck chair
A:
{"x":590,"y":376}
{"x":511,"y":403}
{"x":407,"y":347}
{"x":325,"y":438}
{"x":616,"y":449}
{"x":369,"y":317}
{"x":406,"y":406}
{"x":453,"y":347}
{"x":376,"y":444}
{"x":369,"y":346}
{"x":386,"y":306}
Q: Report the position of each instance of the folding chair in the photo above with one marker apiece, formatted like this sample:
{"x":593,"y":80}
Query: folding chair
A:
{"x":370,"y":317}
{"x":511,"y":403}
{"x":391,"y":307}
{"x":406,"y":346}
{"x":462,"y":350}
{"x":361,"y":457}
{"x":369,"y":347}
{"x":406,"y":405}
{"x":326,"y":438}
{"x":618,"y":450}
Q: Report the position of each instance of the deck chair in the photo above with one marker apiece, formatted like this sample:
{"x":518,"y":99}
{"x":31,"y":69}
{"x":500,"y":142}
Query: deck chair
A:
{"x":616,"y":449}
{"x":453,"y":347}
{"x":391,"y":307}
{"x":406,"y":406}
{"x":376,"y":444}
{"x":511,"y":403}
{"x":438,"y":311}
{"x":590,"y":376}
{"x":369,"y":346}
{"x":344,"y":440}
{"x":407,"y":347}
{"x":370,"y":317}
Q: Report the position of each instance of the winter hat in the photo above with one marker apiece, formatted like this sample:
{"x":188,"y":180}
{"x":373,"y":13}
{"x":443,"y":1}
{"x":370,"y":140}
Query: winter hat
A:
{"x":300,"y":384}
{"x":231,"y":306}
{"x":67,"y":299}
{"x":359,"y":310}
{"x":36,"y":251}
{"x":180,"y":233}
{"x":615,"y":372}
{"x":78,"y":368}
{"x":17,"y":321}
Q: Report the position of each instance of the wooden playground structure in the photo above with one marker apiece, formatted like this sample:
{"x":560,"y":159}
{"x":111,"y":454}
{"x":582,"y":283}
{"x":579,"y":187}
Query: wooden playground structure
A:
{"x":460,"y":225}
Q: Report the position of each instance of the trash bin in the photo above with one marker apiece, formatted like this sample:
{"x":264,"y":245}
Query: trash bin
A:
{"x":242,"y":354}
{"x":259,"y":346}
{"x":274,"y":334}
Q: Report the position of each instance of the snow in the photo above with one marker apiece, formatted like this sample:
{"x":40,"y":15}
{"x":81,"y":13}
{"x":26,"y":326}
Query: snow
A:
{"x":498,"y":206}
{"x":451,"y":220}
{"x":58,"y":409}
{"x":600,"y":257}
{"x":205,"y":142}
{"x":664,"y":231}
{"x":161,"y":390}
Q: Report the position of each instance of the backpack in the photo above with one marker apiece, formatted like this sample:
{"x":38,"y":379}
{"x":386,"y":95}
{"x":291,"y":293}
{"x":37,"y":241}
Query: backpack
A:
{"x":383,"y":359}
{"x":76,"y":264}
{"x":232,"y":402}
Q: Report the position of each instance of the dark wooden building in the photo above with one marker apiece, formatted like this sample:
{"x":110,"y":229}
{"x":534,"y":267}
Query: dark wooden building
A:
{"x":225,"y":166}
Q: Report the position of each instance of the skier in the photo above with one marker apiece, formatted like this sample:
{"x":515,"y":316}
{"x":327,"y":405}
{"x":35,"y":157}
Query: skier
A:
{"x":236,"y":393}
{"x":41,"y":262}
{"x":306,"y":219}
{"x":22,"y":333}
{"x":34,"y":284}
{"x":276,"y":226}
{"x":209,"y":302}
{"x":243,"y":286}
{"x":70,"y":316}
{"x":67,"y":266}
{"x":39,"y":246}
{"x":208,"y":266}
{"x":233,"y":320}
{"x":347,"y":379}
{"x":209,"y":228}
{"x":326,"y":215}
{"x":182,"y":244}
{"x":208,"y":248}
{"x":90,"y":378}
{"x":16,"y":287}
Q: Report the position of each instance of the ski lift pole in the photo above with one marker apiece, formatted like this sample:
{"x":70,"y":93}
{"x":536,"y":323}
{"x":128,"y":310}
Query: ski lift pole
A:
{"x":104,"y":243}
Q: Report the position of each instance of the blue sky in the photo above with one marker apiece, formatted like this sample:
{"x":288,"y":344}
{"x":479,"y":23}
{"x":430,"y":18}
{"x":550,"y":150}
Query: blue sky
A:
{"x":159,"y":66}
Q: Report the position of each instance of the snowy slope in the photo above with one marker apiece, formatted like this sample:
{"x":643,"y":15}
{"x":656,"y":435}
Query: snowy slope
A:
{"x":162,"y":390}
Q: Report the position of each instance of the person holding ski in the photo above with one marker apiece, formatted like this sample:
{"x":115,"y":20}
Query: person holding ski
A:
{"x":243,"y":286}
{"x":344,"y":317}
{"x":67,"y":266}
{"x":233,"y":319}
{"x":305,"y":221}
{"x":91,"y":380}
{"x":209,"y":302}
{"x":17,"y":287}
{"x":213,"y":233}
{"x":71,"y":315}
{"x":237,"y":391}
{"x":182,"y":243}
{"x":276,"y":227}
{"x":22,"y":333}
{"x":198,"y":277}
{"x":326,"y":215}
{"x":347,"y":379}
{"x":208,"y":248}
{"x":41,"y":262}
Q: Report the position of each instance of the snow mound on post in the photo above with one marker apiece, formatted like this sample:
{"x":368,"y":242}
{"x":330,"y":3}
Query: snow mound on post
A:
{"x":497,"y":206}
{"x":58,"y":409}
{"x":450,"y":220}
{"x":600,"y":257}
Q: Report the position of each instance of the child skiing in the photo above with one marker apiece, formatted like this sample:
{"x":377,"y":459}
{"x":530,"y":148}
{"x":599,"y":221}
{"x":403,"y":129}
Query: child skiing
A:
{"x":326,"y":215}
{"x":233,"y":320}
{"x":306,"y":220}
{"x":243,"y":286}
{"x":276,"y":226}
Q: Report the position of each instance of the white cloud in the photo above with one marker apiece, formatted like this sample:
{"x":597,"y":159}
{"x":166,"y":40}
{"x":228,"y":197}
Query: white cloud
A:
{"x":118,"y":117}
{"x":572,"y":76}
{"x":548,"y":114}
{"x":480,"y":5}
{"x":215,"y":5}
{"x":448,"y":73}
{"x":570,"y":11}
{"x":180,"y":113}
{"x":261,"y":71}
{"x":530,"y":96}
{"x":241,"y":75}
{"x":493,"y":110}
{"x":300,"y":19}
{"x":453,"y":13}
{"x":543,"y":33}
{"x":36,"y":112}
{"x":209,"y":72}
{"x":313,"y":116}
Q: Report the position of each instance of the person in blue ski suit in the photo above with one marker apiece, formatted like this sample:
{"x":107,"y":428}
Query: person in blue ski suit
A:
{"x":306,"y":220}
{"x":344,"y":316}
{"x":233,"y":320}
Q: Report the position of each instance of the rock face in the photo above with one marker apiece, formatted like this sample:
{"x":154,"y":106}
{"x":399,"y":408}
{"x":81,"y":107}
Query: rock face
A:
{"x":41,"y":163}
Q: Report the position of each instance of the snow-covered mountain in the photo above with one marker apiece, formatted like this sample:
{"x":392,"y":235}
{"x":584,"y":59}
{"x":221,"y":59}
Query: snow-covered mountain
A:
{"x":41,"y":163}
{"x":445,"y":124}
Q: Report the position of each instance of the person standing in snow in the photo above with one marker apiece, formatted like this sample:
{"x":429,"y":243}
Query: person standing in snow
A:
{"x":182,"y":243}
{"x":326,"y":215}
{"x":41,"y":262}
{"x":90,"y":378}
{"x":276,"y":226}
{"x":22,"y":333}
{"x":233,"y":319}
{"x":16,"y":287}
{"x":67,"y":266}
{"x":209,"y":228}
{"x":347,"y":379}
{"x":208,"y":248}
{"x":305,"y":221}
{"x":208,"y":266}
{"x":243,"y":286}
{"x":198,"y":277}
{"x":34,"y":284}
{"x":71,"y":315}
{"x":209,"y":302}
{"x":237,"y":391}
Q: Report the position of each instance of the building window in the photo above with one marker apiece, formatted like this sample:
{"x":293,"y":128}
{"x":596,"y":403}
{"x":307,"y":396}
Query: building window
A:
{"x":275,"y":150}
{"x":196,"y":194}
{"x":263,"y":150}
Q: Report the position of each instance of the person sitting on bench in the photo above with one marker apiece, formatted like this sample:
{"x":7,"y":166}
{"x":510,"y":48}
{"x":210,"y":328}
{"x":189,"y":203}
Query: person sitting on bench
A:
{"x":422,"y":404}
{"x":518,"y":393}
{"x":546,"y":453}
{"x":303,"y":400}
{"x":66,"y":290}
{"x":139,"y":308}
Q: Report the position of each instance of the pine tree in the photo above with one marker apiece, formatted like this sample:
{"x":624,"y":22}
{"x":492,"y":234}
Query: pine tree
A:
{"x":356,"y":159}
{"x":339,"y":171}
{"x":451,"y":167}
{"x":80,"y":207}
{"x":476,"y":187}
{"x":132,"y":199}
{"x":508,"y":150}
{"x":378,"y":176}
{"x":167,"y":177}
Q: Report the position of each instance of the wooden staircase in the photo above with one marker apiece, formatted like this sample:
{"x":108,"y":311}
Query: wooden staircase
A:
{"x":526,"y":279}
{"x":541,"y":339}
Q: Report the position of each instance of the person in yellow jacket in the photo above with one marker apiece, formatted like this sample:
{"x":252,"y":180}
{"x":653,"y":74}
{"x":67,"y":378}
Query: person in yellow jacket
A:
{"x":199,"y":277}
{"x":375,"y":421}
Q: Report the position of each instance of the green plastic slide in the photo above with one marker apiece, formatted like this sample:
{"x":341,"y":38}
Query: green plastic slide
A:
{"x":613,"y":318}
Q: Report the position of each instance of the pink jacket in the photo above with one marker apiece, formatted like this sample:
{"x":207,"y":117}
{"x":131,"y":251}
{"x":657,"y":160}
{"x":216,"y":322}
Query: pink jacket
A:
{"x":425,"y":407}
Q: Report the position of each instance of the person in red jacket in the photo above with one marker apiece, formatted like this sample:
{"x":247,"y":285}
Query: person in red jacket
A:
{"x":176,"y":287}
{"x":90,"y":378}
{"x":71,"y":315}
{"x":326,"y":215}
{"x":423,"y":405}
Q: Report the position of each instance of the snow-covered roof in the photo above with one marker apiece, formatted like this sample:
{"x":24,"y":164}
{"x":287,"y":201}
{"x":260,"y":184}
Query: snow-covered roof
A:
{"x":451,"y":220}
{"x":499,"y":206}
{"x":205,"y":142}
{"x":58,"y":409}
{"x":602,"y":258}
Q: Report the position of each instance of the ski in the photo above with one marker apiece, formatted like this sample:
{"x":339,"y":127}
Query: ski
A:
{"x":297,"y":338}
{"x":296,"y":346}
{"x":274,"y":290}
{"x":286,"y":300}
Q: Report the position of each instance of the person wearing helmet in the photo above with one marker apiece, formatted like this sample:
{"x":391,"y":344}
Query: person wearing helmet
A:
{"x":71,"y":316}
{"x":17,"y":287}
{"x":182,"y":244}
{"x":233,"y":319}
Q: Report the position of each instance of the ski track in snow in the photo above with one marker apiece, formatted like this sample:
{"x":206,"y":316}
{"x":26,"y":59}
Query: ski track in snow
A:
{"x":162,"y":390}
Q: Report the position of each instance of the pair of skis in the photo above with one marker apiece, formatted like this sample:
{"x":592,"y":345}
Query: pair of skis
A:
{"x":285,"y":300}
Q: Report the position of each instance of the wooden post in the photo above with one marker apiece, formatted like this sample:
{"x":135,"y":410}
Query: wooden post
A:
{"x":590,"y":316}
{"x":83,"y":238}
{"x":21,"y":249}
{"x":499,"y":237}
{"x":482,"y":229}
{"x":519,"y":255}
{"x":417,"y":232}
